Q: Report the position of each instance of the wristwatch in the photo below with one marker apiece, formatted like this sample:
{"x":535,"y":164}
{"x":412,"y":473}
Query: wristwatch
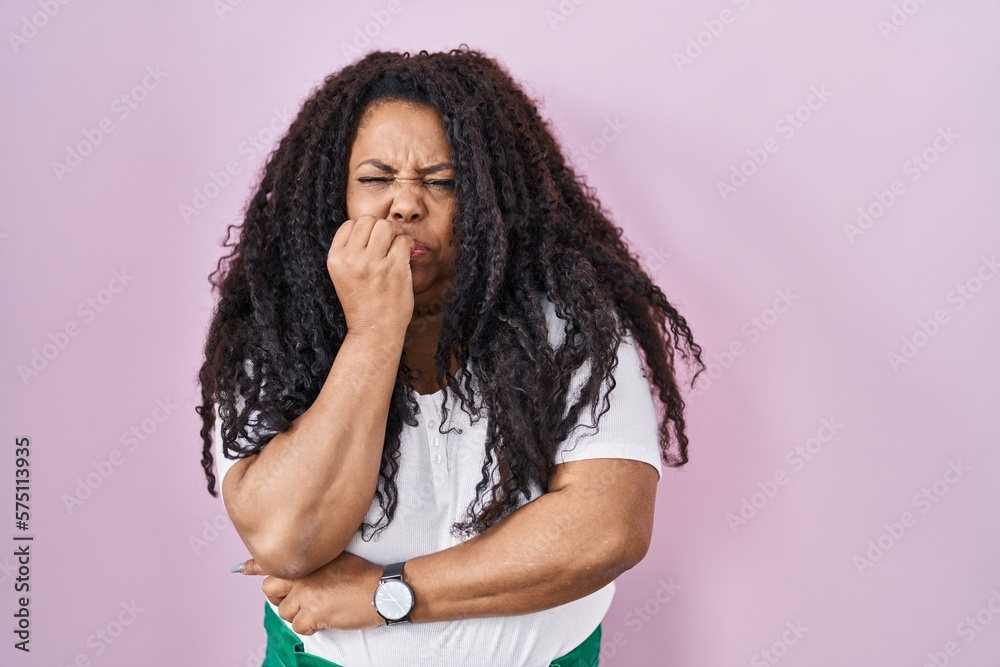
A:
{"x":393,"y":598}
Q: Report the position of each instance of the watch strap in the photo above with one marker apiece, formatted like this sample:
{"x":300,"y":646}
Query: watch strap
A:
{"x":393,"y":571}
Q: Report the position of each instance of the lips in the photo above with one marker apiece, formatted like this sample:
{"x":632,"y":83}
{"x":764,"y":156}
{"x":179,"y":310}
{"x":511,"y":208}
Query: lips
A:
{"x":418,"y":249}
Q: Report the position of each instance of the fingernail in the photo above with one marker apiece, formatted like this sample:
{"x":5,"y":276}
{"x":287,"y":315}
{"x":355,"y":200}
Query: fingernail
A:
{"x":238,"y":568}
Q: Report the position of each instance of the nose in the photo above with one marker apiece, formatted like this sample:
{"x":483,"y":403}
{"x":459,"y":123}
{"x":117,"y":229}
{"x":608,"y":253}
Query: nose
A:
{"x":407,"y":202}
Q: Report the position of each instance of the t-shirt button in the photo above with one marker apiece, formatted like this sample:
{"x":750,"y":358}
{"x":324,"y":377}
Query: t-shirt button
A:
{"x":431,"y":423}
{"x":437,"y":459}
{"x":435,"y":441}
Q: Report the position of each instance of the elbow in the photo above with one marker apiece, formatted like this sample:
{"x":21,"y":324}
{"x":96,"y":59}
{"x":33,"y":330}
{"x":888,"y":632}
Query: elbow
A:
{"x":288,"y":546}
{"x":632,"y":555}
{"x":625,"y":551}
{"x":637,"y":545}
{"x":291,"y":548}
{"x":286,"y":558}
{"x":274,"y":558}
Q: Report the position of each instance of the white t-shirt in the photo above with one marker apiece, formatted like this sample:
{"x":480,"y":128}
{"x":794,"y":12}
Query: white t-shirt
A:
{"x":436,"y":480}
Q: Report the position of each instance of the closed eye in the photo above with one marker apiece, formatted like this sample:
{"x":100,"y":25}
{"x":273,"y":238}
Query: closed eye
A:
{"x":440,"y":183}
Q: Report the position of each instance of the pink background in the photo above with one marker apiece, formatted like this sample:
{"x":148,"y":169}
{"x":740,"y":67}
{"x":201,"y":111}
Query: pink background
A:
{"x":672,"y":131}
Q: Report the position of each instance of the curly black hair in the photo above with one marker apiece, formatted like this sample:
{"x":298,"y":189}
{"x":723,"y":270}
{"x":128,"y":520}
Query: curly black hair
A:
{"x":526,"y":224}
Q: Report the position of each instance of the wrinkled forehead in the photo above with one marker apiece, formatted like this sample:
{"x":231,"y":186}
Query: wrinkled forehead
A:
{"x":401,"y":134}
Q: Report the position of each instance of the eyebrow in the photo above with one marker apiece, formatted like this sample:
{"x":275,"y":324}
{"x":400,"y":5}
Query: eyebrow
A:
{"x":382,"y":166}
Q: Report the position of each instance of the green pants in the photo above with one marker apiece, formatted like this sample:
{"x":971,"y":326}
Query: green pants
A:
{"x":285,"y":649}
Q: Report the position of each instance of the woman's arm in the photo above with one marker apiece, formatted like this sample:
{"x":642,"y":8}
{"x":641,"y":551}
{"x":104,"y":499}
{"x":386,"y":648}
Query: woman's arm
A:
{"x":595,"y":522}
{"x":299,"y":501}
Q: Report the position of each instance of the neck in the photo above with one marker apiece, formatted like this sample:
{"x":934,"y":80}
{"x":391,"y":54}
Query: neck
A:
{"x":423,"y":333}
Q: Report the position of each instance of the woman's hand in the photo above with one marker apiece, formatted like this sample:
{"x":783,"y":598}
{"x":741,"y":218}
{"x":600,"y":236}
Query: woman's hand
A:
{"x":369,"y":263}
{"x":338,"y":595}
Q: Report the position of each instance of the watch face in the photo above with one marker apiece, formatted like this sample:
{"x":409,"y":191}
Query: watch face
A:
{"x":393,"y":600}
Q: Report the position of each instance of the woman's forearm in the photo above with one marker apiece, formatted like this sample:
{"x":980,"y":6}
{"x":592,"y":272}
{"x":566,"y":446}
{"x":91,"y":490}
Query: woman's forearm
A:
{"x":298,"y":503}
{"x":555,"y":549}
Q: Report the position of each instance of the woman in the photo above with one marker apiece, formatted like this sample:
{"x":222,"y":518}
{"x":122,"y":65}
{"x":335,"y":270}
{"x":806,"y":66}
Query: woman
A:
{"x":416,"y":335}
